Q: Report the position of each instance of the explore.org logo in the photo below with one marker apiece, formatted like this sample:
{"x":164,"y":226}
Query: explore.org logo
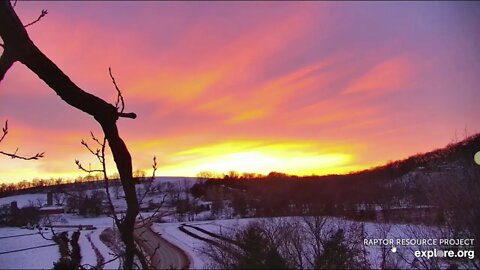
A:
{"x":435,"y":248}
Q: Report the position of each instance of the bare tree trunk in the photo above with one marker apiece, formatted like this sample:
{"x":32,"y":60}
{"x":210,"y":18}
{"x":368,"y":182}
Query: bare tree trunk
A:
{"x":19,"y":47}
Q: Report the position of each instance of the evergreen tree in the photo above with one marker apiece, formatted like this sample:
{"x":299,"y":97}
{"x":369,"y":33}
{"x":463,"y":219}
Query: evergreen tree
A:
{"x":337,"y":254}
{"x":257,"y":253}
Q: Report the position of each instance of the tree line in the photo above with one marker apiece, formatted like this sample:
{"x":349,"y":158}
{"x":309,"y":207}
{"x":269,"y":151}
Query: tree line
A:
{"x":40,"y":184}
{"x":407,"y":190}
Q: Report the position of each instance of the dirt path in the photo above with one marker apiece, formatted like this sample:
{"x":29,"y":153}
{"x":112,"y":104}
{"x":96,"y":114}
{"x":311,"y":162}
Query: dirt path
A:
{"x":164,"y":254}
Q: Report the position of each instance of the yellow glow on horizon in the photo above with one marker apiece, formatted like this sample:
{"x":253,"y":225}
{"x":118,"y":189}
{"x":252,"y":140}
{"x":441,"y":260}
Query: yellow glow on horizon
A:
{"x":253,"y":156}
{"x":300,"y":158}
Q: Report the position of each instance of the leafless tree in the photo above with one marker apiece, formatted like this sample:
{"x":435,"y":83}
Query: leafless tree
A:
{"x":386,"y":259}
{"x":205,"y":175}
{"x":455,"y":195}
{"x":18,"y":47}
{"x":406,"y":252}
{"x":316,"y":231}
{"x":59,"y":198}
{"x":142,"y":193}
{"x":100,"y":154}
{"x":298,"y":241}
{"x":289,"y":236}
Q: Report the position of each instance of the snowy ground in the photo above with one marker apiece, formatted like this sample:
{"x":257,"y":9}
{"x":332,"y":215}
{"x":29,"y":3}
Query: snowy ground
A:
{"x":43,"y":258}
{"x":180,"y":183}
{"x":169,"y":231}
{"x":193,"y":246}
{"x":25,"y":199}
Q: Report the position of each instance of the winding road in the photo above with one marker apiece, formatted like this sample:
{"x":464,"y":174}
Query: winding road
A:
{"x":164,"y":254}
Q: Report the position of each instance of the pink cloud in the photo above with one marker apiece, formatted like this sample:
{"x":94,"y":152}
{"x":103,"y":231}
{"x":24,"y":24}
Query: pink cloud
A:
{"x":390,"y":75}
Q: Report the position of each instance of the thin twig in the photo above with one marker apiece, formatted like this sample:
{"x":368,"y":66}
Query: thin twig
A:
{"x":157,"y":210}
{"x":14,"y":154}
{"x":107,"y":184}
{"x":5,"y":131}
{"x":44,"y":12}
{"x":95,"y":153}
{"x":100,"y":154}
{"x":120,"y":103}
{"x":51,"y":229}
{"x":147,"y":190}
{"x":95,"y":139}
{"x":79,"y":165}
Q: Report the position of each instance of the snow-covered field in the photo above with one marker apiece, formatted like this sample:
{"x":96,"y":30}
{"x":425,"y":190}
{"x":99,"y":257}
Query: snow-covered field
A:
{"x":25,"y":199}
{"x":193,"y":246}
{"x":178,"y":183}
{"x":43,"y":258}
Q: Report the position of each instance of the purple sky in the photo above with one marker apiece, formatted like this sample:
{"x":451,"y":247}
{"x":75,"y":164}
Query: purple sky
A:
{"x":304,"y":88}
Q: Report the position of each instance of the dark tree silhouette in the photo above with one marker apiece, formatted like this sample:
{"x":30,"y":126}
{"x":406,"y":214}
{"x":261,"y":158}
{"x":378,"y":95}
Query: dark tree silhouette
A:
{"x":337,"y":254}
{"x":257,"y":253}
{"x":15,"y":154}
{"x":18,"y":47}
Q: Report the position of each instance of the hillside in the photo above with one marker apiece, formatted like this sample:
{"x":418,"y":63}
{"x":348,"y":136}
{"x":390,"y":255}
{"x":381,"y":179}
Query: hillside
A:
{"x":459,"y":153}
{"x":416,"y":182}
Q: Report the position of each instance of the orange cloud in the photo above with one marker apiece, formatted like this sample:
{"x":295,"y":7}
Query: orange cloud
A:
{"x":263,"y":100}
{"x":177,"y":86}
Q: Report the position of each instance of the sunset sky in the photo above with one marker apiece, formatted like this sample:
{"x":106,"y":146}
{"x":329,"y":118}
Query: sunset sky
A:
{"x":302,"y":88}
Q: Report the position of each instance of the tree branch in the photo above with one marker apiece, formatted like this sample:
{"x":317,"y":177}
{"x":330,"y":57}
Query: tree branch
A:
{"x":79,"y":165}
{"x":16,"y":39}
{"x":14,"y":155}
{"x":147,"y":190}
{"x":44,"y":12}
{"x":127,"y":115}
{"x":120,"y":103}
{"x":100,"y":154}
{"x":4,"y":131}
{"x":6,"y":62}
{"x":96,"y":140}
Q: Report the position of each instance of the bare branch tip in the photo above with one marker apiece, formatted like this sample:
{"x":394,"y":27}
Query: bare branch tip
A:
{"x":44,"y":12}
